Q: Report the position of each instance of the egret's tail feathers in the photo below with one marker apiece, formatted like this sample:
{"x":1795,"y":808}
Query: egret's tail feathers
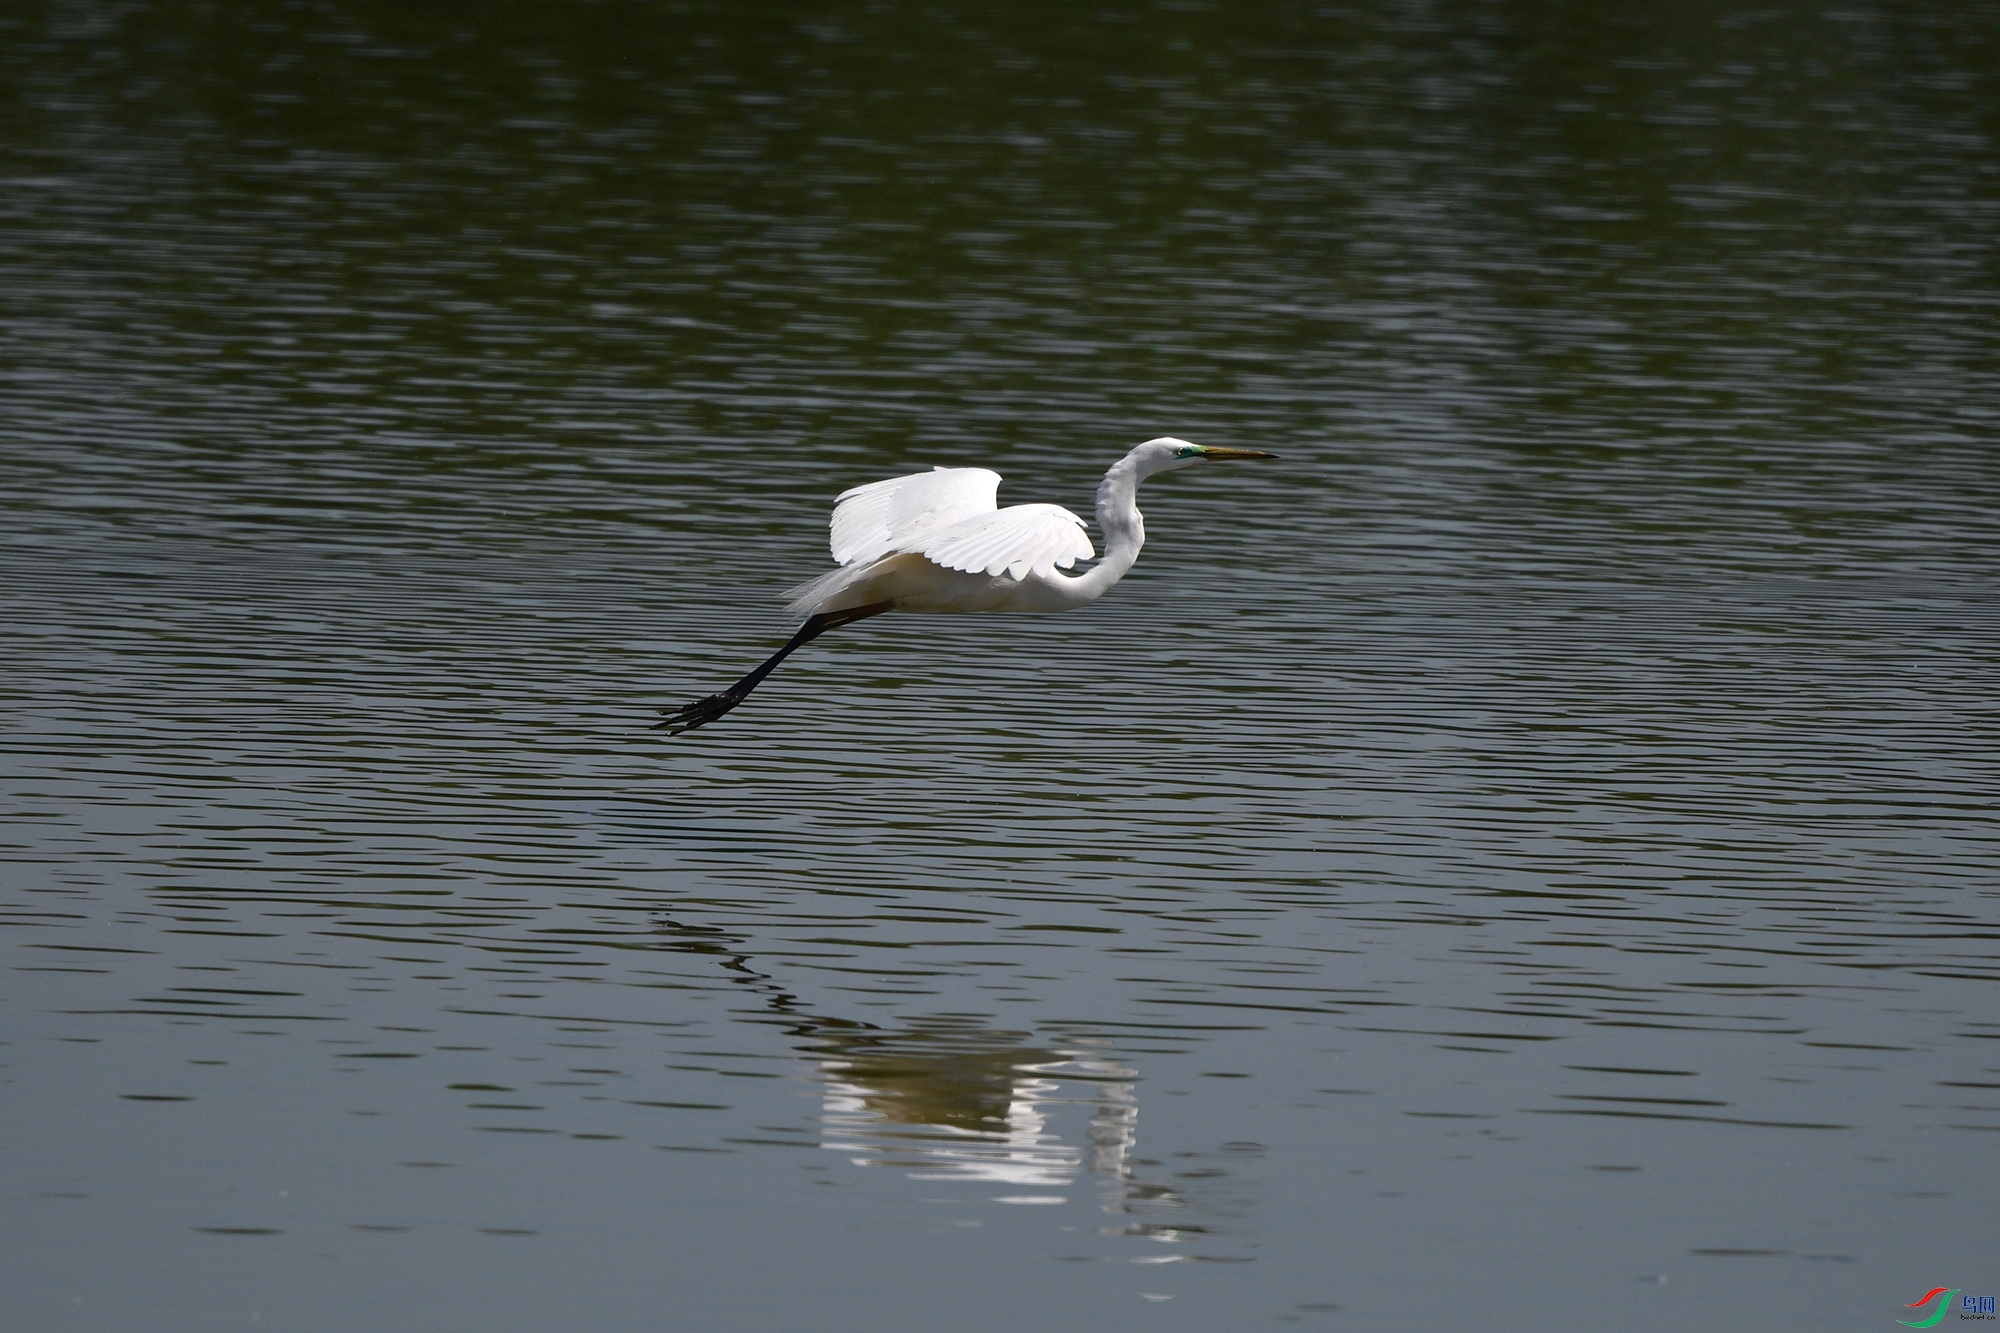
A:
{"x":814,"y":595}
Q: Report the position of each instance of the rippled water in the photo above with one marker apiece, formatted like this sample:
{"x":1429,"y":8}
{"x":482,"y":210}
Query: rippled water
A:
{"x":1527,"y":858}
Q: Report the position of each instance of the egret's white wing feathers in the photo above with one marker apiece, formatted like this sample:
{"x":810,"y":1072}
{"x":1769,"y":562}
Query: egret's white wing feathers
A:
{"x":885,"y":534}
{"x":883,"y":517}
{"x":1017,"y":541}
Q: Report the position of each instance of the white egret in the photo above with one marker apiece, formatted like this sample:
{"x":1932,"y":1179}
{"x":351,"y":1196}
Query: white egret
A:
{"x":937,"y":542}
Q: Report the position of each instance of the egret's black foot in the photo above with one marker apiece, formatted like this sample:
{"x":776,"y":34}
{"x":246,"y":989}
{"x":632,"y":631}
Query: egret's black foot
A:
{"x":699,"y":713}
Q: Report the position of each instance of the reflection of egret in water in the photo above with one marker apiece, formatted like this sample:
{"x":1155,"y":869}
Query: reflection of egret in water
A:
{"x":952,"y":1100}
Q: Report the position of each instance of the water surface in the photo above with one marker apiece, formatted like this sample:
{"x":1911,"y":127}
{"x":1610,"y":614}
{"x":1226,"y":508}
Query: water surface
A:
{"x":1524,"y":859}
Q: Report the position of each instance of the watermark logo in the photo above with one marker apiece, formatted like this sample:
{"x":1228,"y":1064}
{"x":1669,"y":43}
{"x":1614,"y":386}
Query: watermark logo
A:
{"x":1943,"y":1298}
{"x":1969,"y":1307}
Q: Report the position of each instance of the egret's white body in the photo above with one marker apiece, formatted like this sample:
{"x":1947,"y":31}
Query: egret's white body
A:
{"x":938,"y":542}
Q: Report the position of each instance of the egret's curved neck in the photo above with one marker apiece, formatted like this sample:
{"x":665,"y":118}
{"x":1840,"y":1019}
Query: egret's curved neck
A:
{"x":1124,"y":530}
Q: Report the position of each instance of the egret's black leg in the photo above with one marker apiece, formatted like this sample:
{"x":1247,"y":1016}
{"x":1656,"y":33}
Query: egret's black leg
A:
{"x":704,"y":711}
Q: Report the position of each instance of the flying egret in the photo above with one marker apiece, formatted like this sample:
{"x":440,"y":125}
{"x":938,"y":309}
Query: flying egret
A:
{"x":936,"y":541}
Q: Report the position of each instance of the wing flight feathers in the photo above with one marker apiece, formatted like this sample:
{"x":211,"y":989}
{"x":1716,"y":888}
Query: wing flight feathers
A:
{"x":1015,"y":541}
{"x":948,"y":517}
{"x":883,"y":517}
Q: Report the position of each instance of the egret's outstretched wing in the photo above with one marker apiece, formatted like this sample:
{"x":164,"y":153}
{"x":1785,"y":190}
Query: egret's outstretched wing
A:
{"x":872,"y":521}
{"x":1016,"y":541}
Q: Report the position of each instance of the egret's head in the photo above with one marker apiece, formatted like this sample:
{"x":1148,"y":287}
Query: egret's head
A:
{"x":1167,"y":453}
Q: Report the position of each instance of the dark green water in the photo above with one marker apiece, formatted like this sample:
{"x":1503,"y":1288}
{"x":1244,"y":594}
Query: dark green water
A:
{"x":1526,"y":860}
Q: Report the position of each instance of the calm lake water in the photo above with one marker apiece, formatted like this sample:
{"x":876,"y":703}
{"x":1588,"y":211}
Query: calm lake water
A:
{"x":1527,"y":859}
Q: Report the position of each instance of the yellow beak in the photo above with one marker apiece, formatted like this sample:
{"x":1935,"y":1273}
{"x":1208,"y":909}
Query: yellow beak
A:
{"x":1214,"y":452}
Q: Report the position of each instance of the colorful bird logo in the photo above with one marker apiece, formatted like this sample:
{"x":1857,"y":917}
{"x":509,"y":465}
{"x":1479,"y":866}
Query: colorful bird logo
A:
{"x":1925,"y":1299}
